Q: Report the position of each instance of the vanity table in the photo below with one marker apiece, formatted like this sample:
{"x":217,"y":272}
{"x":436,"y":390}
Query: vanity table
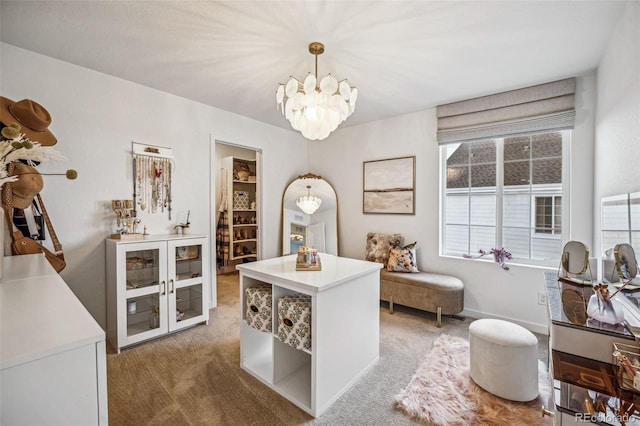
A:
{"x":345,"y":326}
{"x":580,"y":357}
{"x":53,"y":363}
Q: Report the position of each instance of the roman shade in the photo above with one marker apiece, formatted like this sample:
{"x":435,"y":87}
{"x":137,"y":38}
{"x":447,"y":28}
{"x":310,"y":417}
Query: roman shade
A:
{"x":545,"y":107}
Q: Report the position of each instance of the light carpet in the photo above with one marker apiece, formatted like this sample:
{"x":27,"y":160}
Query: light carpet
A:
{"x":441,"y":392}
{"x":194,"y":377}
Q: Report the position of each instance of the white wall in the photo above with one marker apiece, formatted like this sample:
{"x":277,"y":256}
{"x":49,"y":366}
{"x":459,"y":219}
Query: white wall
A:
{"x":95,"y":117}
{"x":617,"y":129}
{"x":489,"y":290}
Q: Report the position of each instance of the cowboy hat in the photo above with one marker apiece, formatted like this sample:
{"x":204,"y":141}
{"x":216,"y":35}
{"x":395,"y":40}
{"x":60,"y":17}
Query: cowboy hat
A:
{"x":32,"y":116}
{"x":29,"y":184}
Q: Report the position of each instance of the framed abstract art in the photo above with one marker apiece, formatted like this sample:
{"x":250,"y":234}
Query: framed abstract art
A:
{"x":389,"y":186}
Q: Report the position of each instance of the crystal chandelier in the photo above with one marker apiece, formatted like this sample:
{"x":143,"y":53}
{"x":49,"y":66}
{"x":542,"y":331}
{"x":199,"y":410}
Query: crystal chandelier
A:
{"x":316,"y":110}
{"x":308,"y":203}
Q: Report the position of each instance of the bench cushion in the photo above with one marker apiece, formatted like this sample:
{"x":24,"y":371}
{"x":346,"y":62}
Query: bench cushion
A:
{"x":424,"y":279}
{"x":423,"y":290}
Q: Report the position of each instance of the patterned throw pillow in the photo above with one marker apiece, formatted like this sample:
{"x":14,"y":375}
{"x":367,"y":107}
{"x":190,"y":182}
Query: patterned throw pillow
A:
{"x":378,"y":246}
{"x":403,"y":259}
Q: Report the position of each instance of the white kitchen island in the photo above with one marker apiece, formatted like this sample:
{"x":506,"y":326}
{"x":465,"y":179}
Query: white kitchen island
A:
{"x":345,"y":328}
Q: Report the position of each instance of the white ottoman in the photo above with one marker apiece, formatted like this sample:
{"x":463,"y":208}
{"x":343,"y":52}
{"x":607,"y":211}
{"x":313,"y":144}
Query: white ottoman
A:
{"x":504,"y":359}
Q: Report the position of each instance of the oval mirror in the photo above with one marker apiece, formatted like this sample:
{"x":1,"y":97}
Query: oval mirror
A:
{"x":575,"y":257}
{"x":316,"y":225}
{"x":626,"y":263}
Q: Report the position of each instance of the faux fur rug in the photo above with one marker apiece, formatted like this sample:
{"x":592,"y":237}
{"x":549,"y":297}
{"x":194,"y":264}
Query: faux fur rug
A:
{"x":442,"y":393}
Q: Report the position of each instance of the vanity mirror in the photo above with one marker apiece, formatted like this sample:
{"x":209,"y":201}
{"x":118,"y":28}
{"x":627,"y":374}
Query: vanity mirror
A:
{"x":626,"y":263}
{"x":574,"y":263}
{"x":318,"y":227}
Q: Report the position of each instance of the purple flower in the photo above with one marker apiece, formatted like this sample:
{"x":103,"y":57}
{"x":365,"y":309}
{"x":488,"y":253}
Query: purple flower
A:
{"x":500,"y":255}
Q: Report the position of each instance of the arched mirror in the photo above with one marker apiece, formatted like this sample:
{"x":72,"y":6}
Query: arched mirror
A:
{"x":309,"y":215}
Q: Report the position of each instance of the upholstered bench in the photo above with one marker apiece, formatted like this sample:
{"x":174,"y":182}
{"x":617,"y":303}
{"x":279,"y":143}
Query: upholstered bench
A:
{"x":435,"y":293}
{"x":439,"y":294}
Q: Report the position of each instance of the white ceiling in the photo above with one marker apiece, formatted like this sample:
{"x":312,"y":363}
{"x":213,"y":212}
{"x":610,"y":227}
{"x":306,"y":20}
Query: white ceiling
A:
{"x":403,"y":56}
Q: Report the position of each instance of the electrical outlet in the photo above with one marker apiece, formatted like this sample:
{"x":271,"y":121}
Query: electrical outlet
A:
{"x":542,"y":298}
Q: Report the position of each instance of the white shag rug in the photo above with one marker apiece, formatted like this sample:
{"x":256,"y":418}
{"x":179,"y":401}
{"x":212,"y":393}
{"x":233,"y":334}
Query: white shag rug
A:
{"x":441,"y":393}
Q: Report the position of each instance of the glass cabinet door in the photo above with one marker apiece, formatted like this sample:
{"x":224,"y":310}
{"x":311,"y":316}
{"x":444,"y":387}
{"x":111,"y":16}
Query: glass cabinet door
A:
{"x":143,"y":268}
{"x":187,"y":291}
{"x":189,"y":302}
{"x":143,"y":314}
{"x":145,"y":310}
{"x":188,"y":261}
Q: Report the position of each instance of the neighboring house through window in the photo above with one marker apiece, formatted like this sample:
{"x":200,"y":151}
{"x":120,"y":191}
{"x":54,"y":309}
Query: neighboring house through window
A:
{"x":548,"y":215}
{"x":505,"y":192}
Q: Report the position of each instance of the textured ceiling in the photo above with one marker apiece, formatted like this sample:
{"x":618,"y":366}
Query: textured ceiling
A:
{"x":403,"y":56}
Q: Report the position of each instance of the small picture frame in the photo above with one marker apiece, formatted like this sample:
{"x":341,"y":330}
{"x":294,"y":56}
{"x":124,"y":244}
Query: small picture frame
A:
{"x":389,"y":186}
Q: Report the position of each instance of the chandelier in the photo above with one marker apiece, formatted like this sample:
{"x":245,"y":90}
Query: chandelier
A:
{"x":316,"y":110}
{"x":308,"y":203}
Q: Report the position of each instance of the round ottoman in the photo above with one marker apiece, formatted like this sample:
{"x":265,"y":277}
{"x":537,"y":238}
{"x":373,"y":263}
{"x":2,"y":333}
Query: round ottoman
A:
{"x":504,"y":359}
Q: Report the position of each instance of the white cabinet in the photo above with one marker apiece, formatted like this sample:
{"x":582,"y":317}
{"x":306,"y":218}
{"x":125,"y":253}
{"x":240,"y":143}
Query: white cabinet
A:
{"x":345,"y":325}
{"x":155,"y":286}
{"x":53,"y":363}
{"x":243,"y":208}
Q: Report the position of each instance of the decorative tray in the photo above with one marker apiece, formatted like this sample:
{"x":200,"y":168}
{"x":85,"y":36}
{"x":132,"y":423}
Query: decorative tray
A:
{"x":125,"y":237}
{"x":309,"y":267}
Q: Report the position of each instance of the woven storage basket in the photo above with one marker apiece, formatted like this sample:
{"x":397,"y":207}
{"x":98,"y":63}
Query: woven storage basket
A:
{"x":294,"y":321}
{"x":240,"y":200}
{"x":259,"y":307}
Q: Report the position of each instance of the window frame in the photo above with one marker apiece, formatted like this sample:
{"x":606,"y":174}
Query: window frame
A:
{"x":565,"y":195}
{"x":534,"y":226}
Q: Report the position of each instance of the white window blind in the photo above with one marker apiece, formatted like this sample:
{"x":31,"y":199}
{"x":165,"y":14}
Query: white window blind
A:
{"x":545,"y":107}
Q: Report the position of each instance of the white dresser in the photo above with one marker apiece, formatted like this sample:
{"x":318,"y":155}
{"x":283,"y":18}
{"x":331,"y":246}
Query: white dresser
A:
{"x":53,"y":368}
{"x":345,"y":328}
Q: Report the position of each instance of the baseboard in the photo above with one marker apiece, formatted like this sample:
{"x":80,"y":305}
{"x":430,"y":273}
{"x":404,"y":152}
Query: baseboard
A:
{"x":536,"y":328}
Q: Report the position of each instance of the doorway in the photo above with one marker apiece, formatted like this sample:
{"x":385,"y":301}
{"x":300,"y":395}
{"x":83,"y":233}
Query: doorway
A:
{"x":236,"y":208}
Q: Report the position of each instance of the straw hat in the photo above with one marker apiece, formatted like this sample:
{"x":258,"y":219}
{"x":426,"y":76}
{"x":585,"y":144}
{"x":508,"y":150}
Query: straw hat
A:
{"x":28,"y":185}
{"x":32,"y":116}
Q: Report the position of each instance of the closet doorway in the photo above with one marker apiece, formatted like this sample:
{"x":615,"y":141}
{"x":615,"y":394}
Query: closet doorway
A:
{"x":237,"y":211}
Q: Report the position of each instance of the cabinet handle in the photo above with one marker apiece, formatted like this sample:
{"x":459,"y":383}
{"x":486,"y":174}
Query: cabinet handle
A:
{"x":173,"y":286}
{"x":163,"y":284}
{"x":546,"y":412}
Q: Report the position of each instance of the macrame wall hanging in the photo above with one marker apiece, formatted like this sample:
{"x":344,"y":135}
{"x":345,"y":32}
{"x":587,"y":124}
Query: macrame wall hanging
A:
{"x":152,"y":170}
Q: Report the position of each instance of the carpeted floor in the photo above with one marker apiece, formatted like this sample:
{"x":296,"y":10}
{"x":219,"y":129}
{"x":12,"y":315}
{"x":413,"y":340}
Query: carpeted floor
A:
{"x":194,"y":378}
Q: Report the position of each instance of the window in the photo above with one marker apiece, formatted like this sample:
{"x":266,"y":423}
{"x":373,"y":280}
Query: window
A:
{"x":548,"y":217}
{"x":505,"y":192}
